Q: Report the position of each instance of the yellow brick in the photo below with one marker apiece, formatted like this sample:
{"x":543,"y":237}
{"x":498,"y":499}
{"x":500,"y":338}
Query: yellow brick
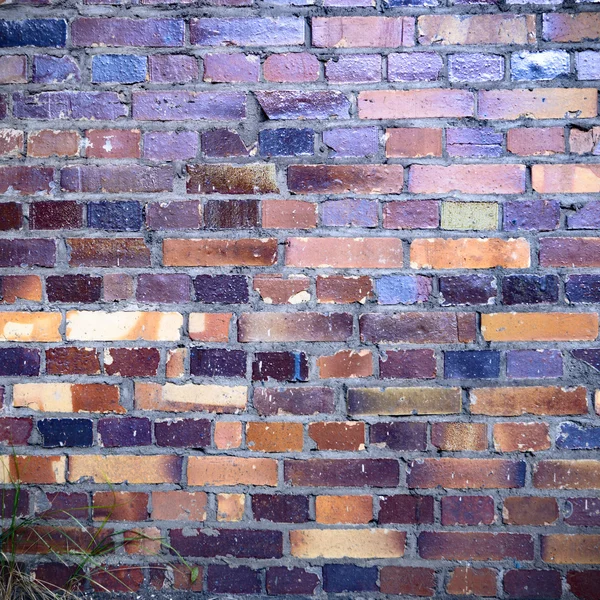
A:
{"x":476,"y":216}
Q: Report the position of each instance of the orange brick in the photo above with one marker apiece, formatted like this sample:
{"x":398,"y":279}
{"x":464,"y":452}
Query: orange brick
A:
{"x":541,"y":327}
{"x":576,"y":549}
{"x":413,"y":142}
{"x":469,"y":253}
{"x":274,"y":437}
{"x":143,"y":540}
{"x":20,"y":287}
{"x":566,"y":179}
{"x":521,"y":437}
{"x":344,"y":253}
{"x":68,"y":397}
{"x":175,"y":366}
{"x":47,"y":143}
{"x":217,"y":253}
{"x":289,"y":214}
{"x":30,"y":326}
{"x":177,"y":505}
{"x":209,"y":327}
{"x":230,"y":507}
{"x":32,"y":469}
{"x":535,"y":141}
{"x":541,"y":103}
{"x":120,"y":506}
{"x":530,"y":510}
{"x":228,"y":434}
{"x":337,"y":289}
{"x":273,"y":289}
{"x":346,"y":364}
{"x":344,"y":509}
{"x":568,"y":27}
{"x":467,"y":179}
{"x":229,"y":470}
{"x":329,"y":435}
{"x":415,"y":104}
{"x":120,"y":469}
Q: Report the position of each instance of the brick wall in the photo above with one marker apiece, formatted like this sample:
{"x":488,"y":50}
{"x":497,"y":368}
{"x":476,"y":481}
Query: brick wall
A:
{"x":306,"y":289}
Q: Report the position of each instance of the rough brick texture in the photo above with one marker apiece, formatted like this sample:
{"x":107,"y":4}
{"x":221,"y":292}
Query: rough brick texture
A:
{"x":308,"y":290}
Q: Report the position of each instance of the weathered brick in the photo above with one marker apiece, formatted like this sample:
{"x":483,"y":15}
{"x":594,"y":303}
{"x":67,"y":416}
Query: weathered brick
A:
{"x":219,"y":252}
{"x":49,"y":142}
{"x":403,"y":401}
{"x":529,"y":510}
{"x":87,"y":31}
{"x":454,"y":437}
{"x":521,"y":437}
{"x":567,"y":474}
{"x":285,"y":31}
{"x":362,"y":32}
{"x":30,"y":327}
{"x":229,"y":470}
{"x":467,"y":581}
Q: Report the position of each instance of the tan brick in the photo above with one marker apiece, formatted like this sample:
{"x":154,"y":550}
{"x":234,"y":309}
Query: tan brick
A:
{"x":566,"y":179}
{"x":534,"y":400}
{"x":521,"y":437}
{"x":578,"y":549}
{"x":467,"y":179}
{"x":86,"y":325}
{"x":32,"y":469}
{"x":230,"y":470}
{"x":362,"y":32}
{"x":541,"y":103}
{"x":177,"y":505}
{"x":125,"y":469}
{"x":415,"y":104}
{"x":274,"y":437}
{"x":215,"y":253}
{"x":541,"y":327}
{"x":455,"y":437}
{"x":67,"y":397}
{"x":344,"y":253}
{"x":209,"y":327}
{"x":347,"y":543}
{"x":171,"y":397}
{"x":413,"y":142}
{"x":476,"y":29}
{"x":344,"y":509}
{"x":469,"y":253}
{"x":30,"y":326}
{"x":404,"y":401}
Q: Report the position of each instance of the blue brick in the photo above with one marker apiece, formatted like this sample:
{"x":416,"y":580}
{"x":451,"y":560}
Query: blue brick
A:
{"x":120,"y":68}
{"x":42,"y":33}
{"x":55,"y":69}
{"x":115,"y":216}
{"x":351,"y":212}
{"x":572,"y":436}
{"x":533,"y":66}
{"x":484,"y":364}
{"x":286,"y":142}
{"x":217,"y":289}
{"x":534,"y":364}
{"x":403,"y":289}
{"x":583,"y":288}
{"x":21,"y":362}
{"x":590,"y":356}
{"x":66,"y":433}
{"x":349,"y":578}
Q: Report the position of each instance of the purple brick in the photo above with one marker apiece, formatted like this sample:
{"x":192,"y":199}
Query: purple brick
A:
{"x":467,"y":510}
{"x":294,"y":401}
{"x":2,"y":107}
{"x":170,"y":145}
{"x":406,"y":510}
{"x":354,"y":68}
{"x":215,"y":289}
{"x":223,"y":143}
{"x":359,"y":141}
{"x":590,"y":356}
{"x":351,"y":212}
{"x":19,"y":362}
{"x":69,"y":105}
{"x":14,"y":502}
{"x":13,"y":69}
{"x":174,"y":215}
{"x":183,"y":433}
{"x":222,"y":579}
{"x":587,"y":217}
{"x":283,"y":31}
{"x":217,"y":362}
{"x":116,"y":179}
{"x":282,"y":580}
{"x":412,"y":214}
{"x":127,"y":32}
{"x":167,"y":288}
{"x":403,"y":289}
{"x":467,"y":289}
{"x":475,"y":67}
{"x":583,"y":288}
{"x":303,"y":104}
{"x":27,"y":253}
{"x":231,"y":68}
{"x":114,"y":216}
{"x":530,"y":289}
{"x":414,"y":66}
{"x":479,"y":142}
{"x":588,"y":65}
{"x":583,"y":512}
{"x":280,"y":508}
{"x":129,"y":431}
{"x":407,"y":364}
{"x":183,"y":106}
{"x":530,"y":584}
{"x":536,"y":215}
{"x":55,"y":69}
{"x":172,"y":68}
{"x":14,"y":431}
{"x":399,"y":435}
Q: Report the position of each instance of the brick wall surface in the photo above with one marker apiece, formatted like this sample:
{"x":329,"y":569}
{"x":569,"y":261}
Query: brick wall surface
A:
{"x":306,"y":289}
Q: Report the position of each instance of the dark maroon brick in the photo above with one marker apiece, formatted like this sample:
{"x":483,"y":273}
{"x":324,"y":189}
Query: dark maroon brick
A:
{"x":19,"y":362}
{"x":381,"y":472}
{"x":407,"y":364}
{"x":294,"y":401}
{"x":11,"y":216}
{"x":26,"y":180}
{"x":399,"y":435}
{"x":56,"y":215}
{"x":55,"y":576}
{"x":281,"y":366}
{"x":183,"y":433}
{"x":132,"y":362}
{"x":529,"y":289}
{"x":174,"y":215}
{"x":223,"y":143}
{"x":239,"y":543}
{"x":167,"y":288}
{"x":407,"y":581}
{"x":66,"y":505}
{"x":467,"y":510}
{"x":14,"y":502}
{"x":217,"y":362}
{"x":584,"y":584}
{"x":231,"y":214}
{"x":69,"y":105}
{"x":2,"y":107}
{"x":222,"y":579}
{"x":216,"y":289}
{"x":15,"y":431}
{"x":128,"y":431}
{"x":280,"y":508}
{"x":583,"y":512}
{"x":74,"y":288}
{"x":532,"y":585}
{"x":406,"y":510}
{"x":467,"y":289}
{"x":281,"y":580}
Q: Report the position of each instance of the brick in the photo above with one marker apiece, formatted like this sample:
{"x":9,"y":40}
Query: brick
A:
{"x":572,"y":436}
{"x":467,"y":581}
{"x":67,"y":397}
{"x":240,"y":580}
{"x":280,"y":508}
{"x":26,"y":180}
{"x":569,"y":252}
{"x":286,"y":142}
{"x":231,"y":179}
{"x":14,"y":431}
{"x":127,"y":431}
{"x":455,"y":437}
{"x":69,"y":105}
{"x":48,"y":142}
{"x":571,"y":27}
{"x":403,"y":401}
{"x":360,"y":141}
{"x":283,"y":580}
{"x":73,"y":288}
{"x":119,"y":469}
{"x":118,"y":68}
{"x":347,"y":543}
{"x":534,"y":363}
{"x":113,"y":143}
{"x":13,"y":69}
{"x":190,"y":397}
{"x":475,"y":67}
{"x":582,"y":512}
{"x":346,"y":364}
{"x":209,"y":327}
{"x":349,"y":578}
{"x":403,"y":289}
{"x":293,"y":401}
{"x":415,"y":104}
{"x":315,"y":104}
{"x":417,"y":66}
{"x":342,"y":472}
{"x":404,"y":509}
{"x":117,"y":579}
{"x":231,"y":68}
{"x":87,"y":31}
{"x":283,"y":31}
{"x":294,"y":67}
{"x":541,"y":215}
{"x":567,"y":474}
{"x":413,"y":142}
{"x":337,"y":289}
{"x":169,"y":288}
{"x":538,"y":141}
{"x":120,"y":506}
{"x":179,"y":506}
{"x":32,"y":469}
{"x":504,"y":327}
{"x":354,"y":68}
{"x":529,"y":510}
{"x":223,"y":143}
{"x":583,"y":584}
{"x":55,"y":69}
{"x":412,"y":581}
{"x":476,"y":29}
{"x":571,"y":549}
{"x":343,"y":509}
{"x":115,"y":179}
{"x":41,"y":33}
{"x":20,"y":287}
{"x":232,"y":214}
{"x":535,"y":66}
{"x":362,"y":32}
{"x":342,"y":436}
{"x":228,"y":470}
{"x":412,"y":214}
{"x":399,"y":436}
{"x":230,"y":507}
{"x":407,"y":364}
{"x":467,"y":510}
{"x":117,"y":286}
{"x":172,"y":68}
{"x":223,"y":289}
{"x":173,"y":215}
{"x":228,"y":434}
{"x":533,"y":584}
{"x":105,"y":252}
{"x":55,"y":214}
{"x":273,"y":289}
{"x":521,"y":437}
{"x":475,"y":546}
{"x":11,"y":142}
{"x":274,"y":437}
{"x":289,"y":214}
{"x":30,"y":327}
